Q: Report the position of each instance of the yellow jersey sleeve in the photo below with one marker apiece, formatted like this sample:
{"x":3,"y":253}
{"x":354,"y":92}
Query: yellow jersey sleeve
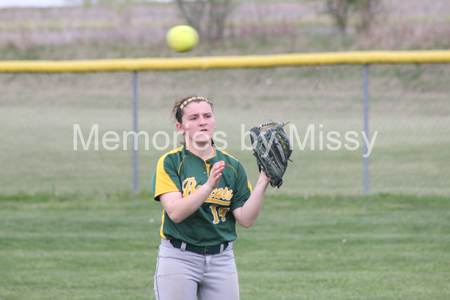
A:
{"x":165,"y":179}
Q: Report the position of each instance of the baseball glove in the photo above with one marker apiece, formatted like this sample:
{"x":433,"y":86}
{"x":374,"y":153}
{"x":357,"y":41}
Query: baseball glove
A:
{"x":272,"y":149}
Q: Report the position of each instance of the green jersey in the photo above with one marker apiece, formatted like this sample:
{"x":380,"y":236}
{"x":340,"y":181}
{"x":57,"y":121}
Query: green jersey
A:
{"x":213,"y":223}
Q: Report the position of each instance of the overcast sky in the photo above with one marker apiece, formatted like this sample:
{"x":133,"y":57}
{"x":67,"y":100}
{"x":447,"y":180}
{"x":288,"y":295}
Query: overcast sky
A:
{"x":32,"y":3}
{"x":45,"y":3}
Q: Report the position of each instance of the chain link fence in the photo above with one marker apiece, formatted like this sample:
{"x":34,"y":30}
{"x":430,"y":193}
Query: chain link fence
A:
{"x":44,"y":117}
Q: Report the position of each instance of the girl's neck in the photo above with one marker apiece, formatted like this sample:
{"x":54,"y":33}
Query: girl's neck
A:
{"x":204,"y":151}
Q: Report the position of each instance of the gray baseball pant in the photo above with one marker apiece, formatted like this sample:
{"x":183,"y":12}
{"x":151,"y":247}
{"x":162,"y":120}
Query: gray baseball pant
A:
{"x":185,"y":275}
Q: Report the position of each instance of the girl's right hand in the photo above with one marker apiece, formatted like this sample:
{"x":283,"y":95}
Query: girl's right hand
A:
{"x":215,"y":174}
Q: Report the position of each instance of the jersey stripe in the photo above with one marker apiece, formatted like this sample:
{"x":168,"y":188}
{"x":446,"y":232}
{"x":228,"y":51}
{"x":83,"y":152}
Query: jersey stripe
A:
{"x":161,"y":231}
{"x":229,"y":155}
{"x":210,"y":200}
{"x":233,"y":169}
{"x":229,"y":165}
{"x":208,"y":167}
{"x":179,"y":168}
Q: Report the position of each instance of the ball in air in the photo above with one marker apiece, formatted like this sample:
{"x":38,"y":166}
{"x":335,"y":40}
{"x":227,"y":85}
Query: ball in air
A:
{"x":182,"y":38}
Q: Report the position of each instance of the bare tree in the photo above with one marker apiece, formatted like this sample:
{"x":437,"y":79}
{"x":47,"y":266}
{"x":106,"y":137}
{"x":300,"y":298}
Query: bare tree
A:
{"x":340,"y":12}
{"x":364,"y":12}
{"x":208,"y":17}
{"x":367,"y":11}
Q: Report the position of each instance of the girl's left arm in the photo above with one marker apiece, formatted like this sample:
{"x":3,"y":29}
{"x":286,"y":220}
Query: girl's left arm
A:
{"x":246,"y":215}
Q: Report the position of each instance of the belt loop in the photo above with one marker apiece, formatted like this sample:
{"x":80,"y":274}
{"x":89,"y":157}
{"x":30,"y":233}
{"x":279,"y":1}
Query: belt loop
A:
{"x":222,"y":246}
{"x":183,"y":246}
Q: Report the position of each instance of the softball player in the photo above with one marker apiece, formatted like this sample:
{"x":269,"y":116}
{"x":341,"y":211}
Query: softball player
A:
{"x":204,"y":192}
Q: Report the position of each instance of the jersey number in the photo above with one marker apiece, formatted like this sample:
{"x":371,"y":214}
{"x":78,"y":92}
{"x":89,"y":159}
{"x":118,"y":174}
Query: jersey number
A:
{"x":221,"y":212}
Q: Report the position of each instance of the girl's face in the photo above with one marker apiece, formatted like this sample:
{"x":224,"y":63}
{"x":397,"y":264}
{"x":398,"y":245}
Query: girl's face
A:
{"x":198,"y":123}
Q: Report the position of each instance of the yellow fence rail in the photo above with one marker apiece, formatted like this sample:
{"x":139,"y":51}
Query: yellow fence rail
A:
{"x":225,"y":62}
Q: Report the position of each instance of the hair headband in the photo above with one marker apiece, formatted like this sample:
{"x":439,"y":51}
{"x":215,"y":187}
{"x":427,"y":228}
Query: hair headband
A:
{"x":186,"y":102}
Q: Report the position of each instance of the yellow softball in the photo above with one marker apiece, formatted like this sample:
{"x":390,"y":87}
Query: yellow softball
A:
{"x":182,"y":38}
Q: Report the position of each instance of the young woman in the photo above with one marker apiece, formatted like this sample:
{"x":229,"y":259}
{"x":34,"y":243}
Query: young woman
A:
{"x":204,"y":192}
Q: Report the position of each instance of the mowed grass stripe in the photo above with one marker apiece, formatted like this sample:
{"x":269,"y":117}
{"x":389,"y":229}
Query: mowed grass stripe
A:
{"x":322,"y":247}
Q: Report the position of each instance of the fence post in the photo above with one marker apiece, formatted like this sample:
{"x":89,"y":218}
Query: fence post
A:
{"x":366,"y":126}
{"x":135,"y":128}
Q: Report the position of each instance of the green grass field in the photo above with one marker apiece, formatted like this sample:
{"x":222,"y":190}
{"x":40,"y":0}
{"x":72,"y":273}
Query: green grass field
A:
{"x":322,"y":247}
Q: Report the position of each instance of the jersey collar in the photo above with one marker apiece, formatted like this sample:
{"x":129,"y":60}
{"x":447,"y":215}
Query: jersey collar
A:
{"x":187,"y":152}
